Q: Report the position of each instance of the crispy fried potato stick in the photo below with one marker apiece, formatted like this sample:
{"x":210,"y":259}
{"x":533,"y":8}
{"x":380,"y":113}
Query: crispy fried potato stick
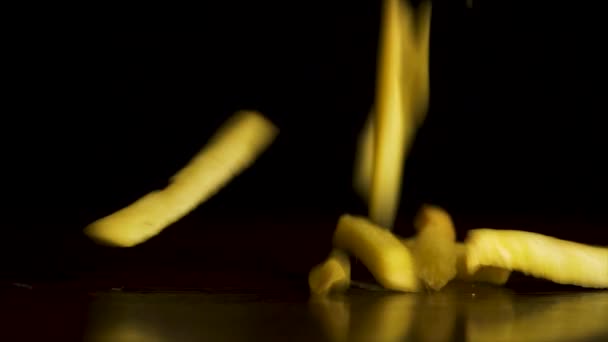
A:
{"x":485,"y":274}
{"x":387,"y":259}
{"x":364,"y":159}
{"x":333,"y":274}
{"x":439,"y":258}
{"x":232,"y":149}
{"x":435,"y":247}
{"x":401,"y":103}
{"x":541,"y":256}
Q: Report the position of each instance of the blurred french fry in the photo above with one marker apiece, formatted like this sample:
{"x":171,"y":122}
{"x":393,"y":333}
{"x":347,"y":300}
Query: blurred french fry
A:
{"x":387,"y":259}
{"x":416,"y":28}
{"x":541,"y":256}
{"x":333,"y":274}
{"x":401,"y":103}
{"x":434,"y":250}
{"x":232,"y":149}
{"x":364,"y":159}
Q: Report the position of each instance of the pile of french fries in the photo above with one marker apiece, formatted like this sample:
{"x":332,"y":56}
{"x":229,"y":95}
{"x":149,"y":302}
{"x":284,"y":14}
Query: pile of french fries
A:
{"x":433,"y":258}
{"x":430,"y":259}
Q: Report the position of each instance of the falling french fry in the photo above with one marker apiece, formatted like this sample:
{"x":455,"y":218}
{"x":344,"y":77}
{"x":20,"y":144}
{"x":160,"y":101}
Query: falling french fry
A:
{"x":364,"y":159}
{"x":231,"y":150}
{"x":401,"y":103}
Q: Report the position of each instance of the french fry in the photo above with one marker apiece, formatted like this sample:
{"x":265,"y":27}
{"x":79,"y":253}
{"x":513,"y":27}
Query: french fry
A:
{"x":364,"y":159}
{"x":485,"y":274}
{"x":387,"y":259}
{"x":333,"y":274}
{"x":439,"y":258}
{"x":232,"y":149}
{"x":541,"y":256}
{"x":401,"y":103}
{"x":434,"y":249}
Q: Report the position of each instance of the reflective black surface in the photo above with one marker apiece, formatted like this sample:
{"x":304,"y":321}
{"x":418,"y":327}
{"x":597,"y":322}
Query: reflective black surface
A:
{"x":462,"y":312}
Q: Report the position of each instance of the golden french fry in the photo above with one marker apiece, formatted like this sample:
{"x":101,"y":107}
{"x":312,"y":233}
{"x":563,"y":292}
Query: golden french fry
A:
{"x":484,"y":274}
{"x":387,"y":259}
{"x":333,"y":274}
{"x":401,"y":104}
{"x":364,"y":159}
{"x":233,"y":148}
{"x":415,"y":59}
{"x":434,"y":249}
{"x":385,"y":318}
{"x":541,"y":256}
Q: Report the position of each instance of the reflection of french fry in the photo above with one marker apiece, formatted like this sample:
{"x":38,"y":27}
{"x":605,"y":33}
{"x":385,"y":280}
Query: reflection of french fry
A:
{"x":333,"y":315}
{"x":541,"y":256}
{"x":333,"y":274}
{"x":490,"y":309}
{"x":573,"y":317}
{"x":385,"y":318}
{"x":435,"y":247}
{"x":381,"y":318}
{"x":233,"y":148}
{"x":387,"y":259}
{"x":440,"y":308}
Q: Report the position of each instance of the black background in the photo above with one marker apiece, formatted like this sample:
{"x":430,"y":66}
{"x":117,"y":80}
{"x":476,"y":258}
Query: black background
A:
{"x":105,"y":105}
